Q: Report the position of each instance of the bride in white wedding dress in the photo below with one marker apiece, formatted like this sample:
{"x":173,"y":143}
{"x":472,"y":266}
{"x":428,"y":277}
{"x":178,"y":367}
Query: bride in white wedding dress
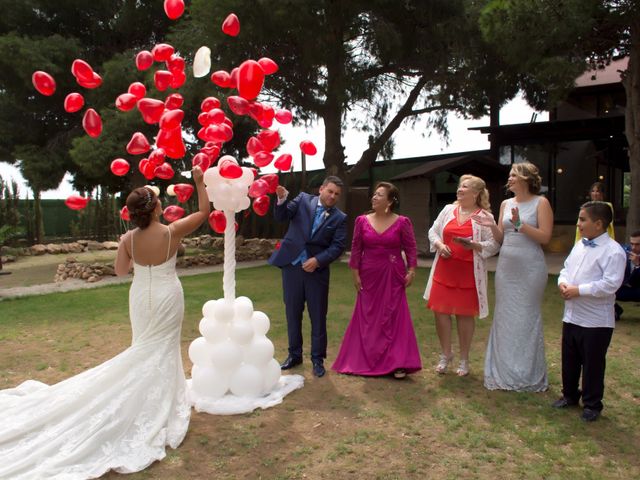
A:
{"x":122,"y":414}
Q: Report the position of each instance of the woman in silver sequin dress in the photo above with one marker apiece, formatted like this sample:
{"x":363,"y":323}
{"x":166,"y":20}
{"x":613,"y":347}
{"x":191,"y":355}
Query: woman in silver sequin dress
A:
{"x":515,"y":358}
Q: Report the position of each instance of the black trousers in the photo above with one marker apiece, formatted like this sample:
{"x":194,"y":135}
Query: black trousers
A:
{"x":300,"y":287}
{"x":584,"y":349}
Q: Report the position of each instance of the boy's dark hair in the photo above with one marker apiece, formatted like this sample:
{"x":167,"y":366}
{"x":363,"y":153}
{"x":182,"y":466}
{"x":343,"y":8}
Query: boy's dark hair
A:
{"x":599,"y":211}
{"x":635,"y":234}
{"x":333,"y":179}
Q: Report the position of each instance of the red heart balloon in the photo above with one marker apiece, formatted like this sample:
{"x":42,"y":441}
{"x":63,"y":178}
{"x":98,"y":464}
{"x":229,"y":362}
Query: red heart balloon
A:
{"x":229,"y":168}
{"x":261,"y":205}
{"x":262,"y":159}
{"x":256,"y":110}
{"x":183,"y":191}
{"x":144,"y":60}
{"x":173,"y":213}
{"x":138,"y":89}
{"x":164,"y":171}
{"x":201,"y":160}
{"x":138,"y":144}
{"x":308,"y":148}
{"x":209,"y":103}
{"x":231,"y":25}
{"x":270,"y":139}
{"x":124,"y":214}
{"x":218,"y":221}
{"x":162,"y":52}
{"x":173,"y":8}
{"x":92,"y":123}
{"x":272,"y":180}
{"x":175,"y":63}
{"x":216,"y":115}
{"x":126,"y":102}
{"x":162,"y":79}
{"x":283,"y":162}
{"x":157,"y":156}
{"x":238,"y":105}
{"x":254,"y":146}
{"x":76,"y":202}
{"x":212,"y":149}
{"x":44,"y":83}
{"x":82,"y":71}
{"x":174,"y":101}
{"x":250,"y":79}
{"x":73,"y":102}
{"x":172,"y":143}
{"x":171,"y":119}
{"x":283,"y":116}
{"x":268,"y":66}
{"x":258,"y":188}
{"x":151,"y":109}
{"x":214,"y":133}
{"x":147,"y":168}
{"x":233,"y":78}
{"x":94,"y":82}
{"x":120,"y":167}
{"x":221,"y":78}
{"x":177,"y":79}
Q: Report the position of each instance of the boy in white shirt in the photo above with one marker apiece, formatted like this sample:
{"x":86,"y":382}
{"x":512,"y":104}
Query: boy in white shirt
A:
{"x":592,"y":273}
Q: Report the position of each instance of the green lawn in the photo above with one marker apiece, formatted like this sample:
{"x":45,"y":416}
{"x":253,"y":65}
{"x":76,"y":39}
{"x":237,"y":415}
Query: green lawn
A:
{"x":351,"y":427}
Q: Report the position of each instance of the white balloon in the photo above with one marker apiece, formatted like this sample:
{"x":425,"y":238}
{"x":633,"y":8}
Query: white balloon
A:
{"x":208,"y":309}
{"x":246,"y":382}
{"x":226,"y":356}
{"x":170,"y":190}
{"x":243,"y":307}
{"x":259,"y":351}
{"x":241,"y":332}
{"x":214,"y":331}
{"x":209,"y":382}
{"x":260,"y":322}
{"x":247,"y":176}
{"x":194,"y":369}
{"x":202,"y":62}
{"x":227,"y":157}
{"x":210,"y":193}
{"x":244,"y":204}
{"x":199,"y":352}
{"x":223,"y":310}
{"x":211,"y":176}
{"x":272,"y":374}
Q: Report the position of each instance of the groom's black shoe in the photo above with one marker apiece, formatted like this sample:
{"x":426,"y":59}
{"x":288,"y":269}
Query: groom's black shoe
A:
{"x":589,"y":415}
{"x":564,"y":402}
{"x":318,"y":368}
{"x":290,"y":362}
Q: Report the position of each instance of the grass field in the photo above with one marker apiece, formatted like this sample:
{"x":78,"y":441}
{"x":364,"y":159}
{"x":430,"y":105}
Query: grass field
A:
{"x":351,"y":427}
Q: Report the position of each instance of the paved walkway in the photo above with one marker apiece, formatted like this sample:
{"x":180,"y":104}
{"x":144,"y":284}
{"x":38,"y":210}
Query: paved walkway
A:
{"x":554,"y":263}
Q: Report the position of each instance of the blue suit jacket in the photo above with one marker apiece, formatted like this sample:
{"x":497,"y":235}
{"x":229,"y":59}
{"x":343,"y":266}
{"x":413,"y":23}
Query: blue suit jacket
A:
{"x":326,"y":244}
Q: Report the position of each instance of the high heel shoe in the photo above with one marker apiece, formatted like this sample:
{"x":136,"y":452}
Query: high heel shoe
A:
{"x":463,"y":368}
{"x":443,"y":364}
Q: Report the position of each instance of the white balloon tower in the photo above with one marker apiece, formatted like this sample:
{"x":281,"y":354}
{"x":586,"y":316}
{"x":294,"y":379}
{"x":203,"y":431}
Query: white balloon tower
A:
{"x":233,"y":366}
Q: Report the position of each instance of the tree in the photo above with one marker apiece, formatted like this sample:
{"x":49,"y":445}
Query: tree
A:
{"x":378,"y":62}
{"x":571,"y":36}
{"x":35,"y":130}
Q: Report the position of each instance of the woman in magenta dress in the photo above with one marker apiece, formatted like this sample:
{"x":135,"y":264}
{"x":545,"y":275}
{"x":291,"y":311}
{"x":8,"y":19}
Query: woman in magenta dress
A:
{"x":380,"y":339}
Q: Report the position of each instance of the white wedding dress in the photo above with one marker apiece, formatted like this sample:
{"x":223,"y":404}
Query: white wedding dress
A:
{"x":119,"y":415}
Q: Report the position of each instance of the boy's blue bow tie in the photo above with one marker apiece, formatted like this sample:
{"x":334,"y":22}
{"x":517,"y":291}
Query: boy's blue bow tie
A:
{"x":589,"y":243}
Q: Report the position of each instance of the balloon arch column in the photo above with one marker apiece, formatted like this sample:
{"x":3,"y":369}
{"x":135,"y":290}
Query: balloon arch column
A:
{"x":233,"y":366}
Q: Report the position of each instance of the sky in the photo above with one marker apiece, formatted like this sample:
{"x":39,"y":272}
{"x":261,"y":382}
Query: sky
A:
{"x":410,"y":141}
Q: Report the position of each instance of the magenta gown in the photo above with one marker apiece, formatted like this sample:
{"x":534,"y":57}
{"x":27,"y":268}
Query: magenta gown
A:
{"x":380,"y":337}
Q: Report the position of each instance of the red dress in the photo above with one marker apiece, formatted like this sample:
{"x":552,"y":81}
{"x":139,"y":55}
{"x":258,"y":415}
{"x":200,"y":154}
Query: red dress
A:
{"x":454,"y":286}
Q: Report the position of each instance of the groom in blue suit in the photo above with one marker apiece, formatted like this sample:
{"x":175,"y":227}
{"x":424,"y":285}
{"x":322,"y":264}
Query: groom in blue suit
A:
{"x":316,"y":237}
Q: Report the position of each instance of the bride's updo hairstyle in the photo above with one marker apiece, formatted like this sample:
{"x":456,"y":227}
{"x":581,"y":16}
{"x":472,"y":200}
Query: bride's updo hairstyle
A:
{"x":141,"y":203}
{"x":530,"y":174}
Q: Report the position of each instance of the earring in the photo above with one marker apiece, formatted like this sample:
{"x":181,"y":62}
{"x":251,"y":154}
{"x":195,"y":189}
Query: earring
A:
{"x":386,"y":210}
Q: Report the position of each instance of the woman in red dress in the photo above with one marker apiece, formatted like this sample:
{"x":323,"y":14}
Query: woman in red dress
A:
{"x":458,"y":280}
